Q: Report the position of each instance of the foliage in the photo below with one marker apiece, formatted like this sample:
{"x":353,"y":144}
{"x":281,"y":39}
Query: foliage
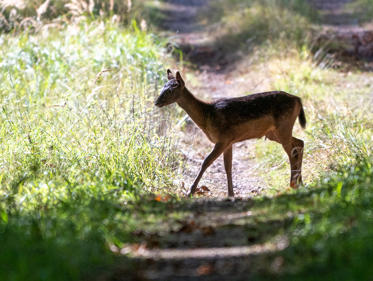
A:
{"x":80,"y":139}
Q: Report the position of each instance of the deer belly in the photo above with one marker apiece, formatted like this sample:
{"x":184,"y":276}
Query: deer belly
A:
{"x":252,"y":129}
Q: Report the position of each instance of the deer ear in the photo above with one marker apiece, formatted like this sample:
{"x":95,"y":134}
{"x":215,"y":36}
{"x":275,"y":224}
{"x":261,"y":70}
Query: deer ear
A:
{"x":170,"y":76}
{"x":179,"y":79}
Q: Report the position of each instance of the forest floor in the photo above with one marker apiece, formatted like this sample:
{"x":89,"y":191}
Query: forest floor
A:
{"x":219,"y":238}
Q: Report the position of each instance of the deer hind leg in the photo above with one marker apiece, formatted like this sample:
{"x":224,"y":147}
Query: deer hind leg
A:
{"x":228,"y":169}
{"x":215,"y":153}
{"x":294,"y":150}
{"x":296,"y":158}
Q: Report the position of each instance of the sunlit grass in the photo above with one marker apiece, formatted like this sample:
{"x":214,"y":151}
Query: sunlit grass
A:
{"x":80,"y":139}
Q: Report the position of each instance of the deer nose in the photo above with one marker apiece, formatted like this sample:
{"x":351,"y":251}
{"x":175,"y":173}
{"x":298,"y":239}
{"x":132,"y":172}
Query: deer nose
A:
{"x":157,"y":103}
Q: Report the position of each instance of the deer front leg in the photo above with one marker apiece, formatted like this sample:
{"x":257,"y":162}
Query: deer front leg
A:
{"x":218,"y":149}
{"x":228,"y":169}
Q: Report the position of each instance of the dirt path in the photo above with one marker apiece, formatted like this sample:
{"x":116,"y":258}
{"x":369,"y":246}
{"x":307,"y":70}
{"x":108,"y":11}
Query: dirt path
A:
{"x":214,"y":81}
{"x":219,"y":240}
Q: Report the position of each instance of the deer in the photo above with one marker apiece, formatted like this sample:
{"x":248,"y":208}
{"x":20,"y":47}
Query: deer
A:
{"x":231,"y":120}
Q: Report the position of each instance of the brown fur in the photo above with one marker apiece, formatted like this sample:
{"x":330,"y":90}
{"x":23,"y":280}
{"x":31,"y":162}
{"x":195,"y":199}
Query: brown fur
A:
{"x":227,"y":121}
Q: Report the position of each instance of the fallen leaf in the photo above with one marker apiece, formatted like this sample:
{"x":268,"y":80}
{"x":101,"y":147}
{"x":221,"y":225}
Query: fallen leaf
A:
{"x":205,"y":269}
{"x":203,"y":190}
{"x":162,"y":198}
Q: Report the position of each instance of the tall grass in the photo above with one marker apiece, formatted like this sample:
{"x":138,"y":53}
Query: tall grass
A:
{"x":80,"y":138}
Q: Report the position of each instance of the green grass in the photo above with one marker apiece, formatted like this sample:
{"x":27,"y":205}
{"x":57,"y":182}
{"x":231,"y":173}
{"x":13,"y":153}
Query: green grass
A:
{"x":80,"y":140}
{"x":331,"y":218}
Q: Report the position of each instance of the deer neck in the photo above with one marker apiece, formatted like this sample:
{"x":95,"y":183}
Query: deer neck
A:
{"x":194,"y":107}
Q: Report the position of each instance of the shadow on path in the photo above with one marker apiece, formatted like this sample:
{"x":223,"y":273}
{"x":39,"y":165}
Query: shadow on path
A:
{"x":215,"y":240}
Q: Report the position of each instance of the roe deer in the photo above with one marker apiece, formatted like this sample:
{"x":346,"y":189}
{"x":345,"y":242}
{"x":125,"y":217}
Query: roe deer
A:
{"x":227,"y":121}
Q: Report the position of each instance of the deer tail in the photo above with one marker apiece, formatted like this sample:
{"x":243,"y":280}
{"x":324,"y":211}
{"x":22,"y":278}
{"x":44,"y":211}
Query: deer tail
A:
{"x":302,"y":116}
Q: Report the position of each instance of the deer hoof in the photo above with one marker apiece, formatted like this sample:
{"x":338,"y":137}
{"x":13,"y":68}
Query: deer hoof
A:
{"x":191,"y":192}
{"x":296,"y":183}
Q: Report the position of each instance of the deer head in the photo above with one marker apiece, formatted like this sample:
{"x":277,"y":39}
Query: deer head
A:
{"x":172,"y":90}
